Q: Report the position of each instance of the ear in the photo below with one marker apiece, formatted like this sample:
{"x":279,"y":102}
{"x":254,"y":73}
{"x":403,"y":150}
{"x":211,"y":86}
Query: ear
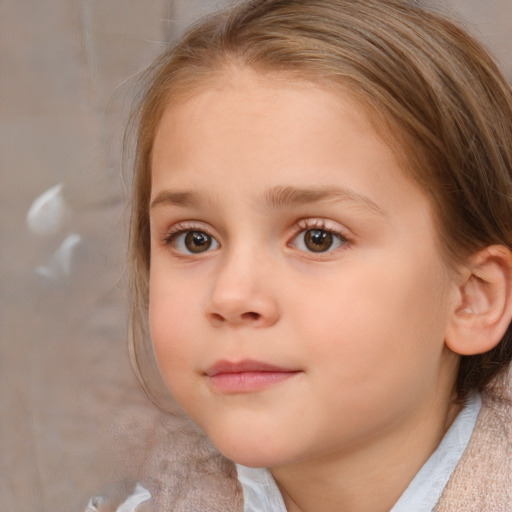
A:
{"x":484,"y":309}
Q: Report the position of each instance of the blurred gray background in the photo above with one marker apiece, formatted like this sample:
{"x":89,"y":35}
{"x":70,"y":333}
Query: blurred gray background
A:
{"x":73,"y":419}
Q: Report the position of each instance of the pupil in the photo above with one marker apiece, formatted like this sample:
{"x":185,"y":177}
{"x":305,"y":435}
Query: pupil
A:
{"x":197,"y":241}
{"x":318,"y":240}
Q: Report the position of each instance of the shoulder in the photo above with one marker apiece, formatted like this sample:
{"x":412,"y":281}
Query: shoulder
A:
{"x":483,"y":478}
{"x":182,"y":472}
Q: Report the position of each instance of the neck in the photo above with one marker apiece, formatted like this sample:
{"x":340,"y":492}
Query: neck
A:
{"x":371,"y":476}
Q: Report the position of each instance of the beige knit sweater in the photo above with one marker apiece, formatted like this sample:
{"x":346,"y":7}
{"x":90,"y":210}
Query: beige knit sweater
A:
{"x":482,"y":481}
{"x":195,"y":478}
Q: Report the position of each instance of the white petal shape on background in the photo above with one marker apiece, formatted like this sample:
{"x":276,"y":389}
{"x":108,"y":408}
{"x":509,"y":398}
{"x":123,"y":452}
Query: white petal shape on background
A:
{"x":139,"y":495}
{"x":60,"y":263}
{"x":46,"y":214}
{"x":94,"y":503}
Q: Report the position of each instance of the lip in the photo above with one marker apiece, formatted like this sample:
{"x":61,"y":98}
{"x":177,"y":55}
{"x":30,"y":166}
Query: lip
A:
{"x":246,"y":376}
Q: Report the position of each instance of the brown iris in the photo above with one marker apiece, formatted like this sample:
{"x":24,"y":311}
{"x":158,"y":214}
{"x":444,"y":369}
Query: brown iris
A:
{"x":318,"y":240}
{"x":197,"y":241}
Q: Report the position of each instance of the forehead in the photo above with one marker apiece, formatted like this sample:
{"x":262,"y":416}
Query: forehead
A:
{"x":254,"y":94}
{"x":257,"y":132}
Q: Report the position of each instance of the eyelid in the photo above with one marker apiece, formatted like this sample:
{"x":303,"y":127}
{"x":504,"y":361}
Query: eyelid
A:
{"x":307,"y":223}
{"x":188,"y":225}
{"x":183,"y":227}
{"x":304,"y":224}
{"x":312,"y":223}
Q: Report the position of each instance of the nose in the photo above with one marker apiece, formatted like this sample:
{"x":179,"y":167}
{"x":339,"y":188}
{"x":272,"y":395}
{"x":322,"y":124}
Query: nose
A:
{"x":243,"y":294}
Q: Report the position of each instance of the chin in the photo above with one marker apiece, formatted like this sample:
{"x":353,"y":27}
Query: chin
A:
{"x":248,"y":452}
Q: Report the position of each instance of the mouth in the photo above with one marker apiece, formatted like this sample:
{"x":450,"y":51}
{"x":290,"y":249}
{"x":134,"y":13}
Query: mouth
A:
{"x":246,"y":376}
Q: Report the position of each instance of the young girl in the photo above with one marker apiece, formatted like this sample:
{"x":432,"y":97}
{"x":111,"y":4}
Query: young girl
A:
{"x":321,"y":243}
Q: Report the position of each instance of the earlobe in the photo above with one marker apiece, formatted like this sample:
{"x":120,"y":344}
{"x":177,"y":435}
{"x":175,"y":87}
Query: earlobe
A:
{"x":484,"y":310}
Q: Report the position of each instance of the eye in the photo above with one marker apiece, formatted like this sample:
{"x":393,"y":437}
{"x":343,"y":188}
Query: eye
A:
{"x":192,"y":242}
{"x":318,"y":240}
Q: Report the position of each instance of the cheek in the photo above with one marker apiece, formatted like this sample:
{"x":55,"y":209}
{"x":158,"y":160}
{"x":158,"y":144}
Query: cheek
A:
{"x":380,"y":321}
{"x":374,"y":341}
{"x":171,"y":317}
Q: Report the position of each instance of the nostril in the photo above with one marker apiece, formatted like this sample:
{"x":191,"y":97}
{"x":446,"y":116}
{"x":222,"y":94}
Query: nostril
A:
{"x":216,"y":317}
{"x":251,"y":315}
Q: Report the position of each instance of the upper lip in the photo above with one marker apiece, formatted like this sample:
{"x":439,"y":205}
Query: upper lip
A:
{"x":247,"y":365}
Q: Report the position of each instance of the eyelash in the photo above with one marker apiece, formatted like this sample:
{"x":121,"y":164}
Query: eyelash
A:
{"x":305,"y":225}
{"x":302,"y":226}
{"x":180,"y":228}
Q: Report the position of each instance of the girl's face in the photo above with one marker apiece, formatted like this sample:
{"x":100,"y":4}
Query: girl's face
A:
{"x":298,"y":298}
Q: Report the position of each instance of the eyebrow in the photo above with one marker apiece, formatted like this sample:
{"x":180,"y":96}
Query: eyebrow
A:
{"x":174,"y":198}
{"x":276,"y":198}
{"x":286,"y":196}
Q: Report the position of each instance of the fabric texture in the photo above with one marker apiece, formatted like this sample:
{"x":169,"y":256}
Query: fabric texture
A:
{"x":131,"y":504}
{"x":207,"y":482}
{"x":425,"y":489}
{"x":261,"y":493}
{"x":482,"y":481}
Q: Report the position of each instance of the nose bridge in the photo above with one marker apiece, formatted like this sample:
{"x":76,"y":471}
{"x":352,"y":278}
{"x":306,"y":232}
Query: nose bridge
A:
{"x":241,"y":291}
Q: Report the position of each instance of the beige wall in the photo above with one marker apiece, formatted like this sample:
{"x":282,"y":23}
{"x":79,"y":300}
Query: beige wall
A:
{"x":72,"y":417}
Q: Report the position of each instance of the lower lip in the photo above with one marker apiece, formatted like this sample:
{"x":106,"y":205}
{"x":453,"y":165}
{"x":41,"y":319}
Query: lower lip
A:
{"x":248,"y":382}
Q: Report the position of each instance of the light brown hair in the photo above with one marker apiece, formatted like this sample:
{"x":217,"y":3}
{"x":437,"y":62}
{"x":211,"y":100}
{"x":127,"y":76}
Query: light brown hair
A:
{"x":434,"y":91}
